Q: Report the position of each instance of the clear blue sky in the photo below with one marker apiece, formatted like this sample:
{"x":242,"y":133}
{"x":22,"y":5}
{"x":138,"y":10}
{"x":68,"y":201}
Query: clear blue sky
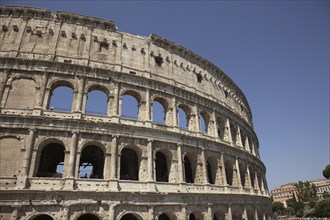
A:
{"x":277,"y":52}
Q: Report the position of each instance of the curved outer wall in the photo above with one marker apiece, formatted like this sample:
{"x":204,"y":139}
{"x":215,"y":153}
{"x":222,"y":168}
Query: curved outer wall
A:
{"x":212,"y":174}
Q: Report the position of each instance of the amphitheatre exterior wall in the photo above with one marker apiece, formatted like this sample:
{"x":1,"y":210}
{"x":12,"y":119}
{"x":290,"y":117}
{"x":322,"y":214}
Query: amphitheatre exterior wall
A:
{"x":211,"y":173}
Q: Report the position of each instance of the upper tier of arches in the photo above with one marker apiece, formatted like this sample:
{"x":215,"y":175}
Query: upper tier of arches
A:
{"x":36,"y":34}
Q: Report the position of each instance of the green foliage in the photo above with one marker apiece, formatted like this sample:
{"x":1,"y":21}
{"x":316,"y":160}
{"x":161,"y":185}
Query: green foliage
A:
{"x":326,"y":172}
{"x":322,"y":209}
{"x":306,"y":192}
{"x":278,"y":207}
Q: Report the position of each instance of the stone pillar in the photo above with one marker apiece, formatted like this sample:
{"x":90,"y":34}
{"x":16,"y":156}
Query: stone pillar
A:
{"x":112,"y":209}
{"x":239,"y":137}
{"x":245,"y":216}
{"x":6,"y":89}
{"x":183,"y":214}
{"x":72,"y":157}
{"x":3,"y":83}
{"x":229,"y":215}
{"x":197,"y":120}
{"x":256,"y":182}
{"x":204,"y":167}
{"x":180,"y":165}
{"x":28,"y":153}
{"x":40,"y":98}
{"x":209,"y":212}
{"x":247,"y":145}
{"x":114,"y":149}
{"x":215,"y":125}
{"x":175,"y":113}
{"x":107,"y":163}
{"x":84,"y":102}
{"x":248,"y":183}
{"x":222,"y":166}
{"x":150,"y":176}
{"x":79,"y":97}
{"x":228,"y":131}
{"x":151,"y":212}
{"x":14,"y":214}
{"x":116,"y":105}
{"x":238,"y":174}
{"x":147,"y":107}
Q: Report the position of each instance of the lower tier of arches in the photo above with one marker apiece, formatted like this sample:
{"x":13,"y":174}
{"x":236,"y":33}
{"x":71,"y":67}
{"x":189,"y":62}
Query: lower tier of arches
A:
{"x":47,"y":205}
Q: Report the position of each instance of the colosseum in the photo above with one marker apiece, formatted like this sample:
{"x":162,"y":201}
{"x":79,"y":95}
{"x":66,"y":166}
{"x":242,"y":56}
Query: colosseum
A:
{"x":197,"y":159}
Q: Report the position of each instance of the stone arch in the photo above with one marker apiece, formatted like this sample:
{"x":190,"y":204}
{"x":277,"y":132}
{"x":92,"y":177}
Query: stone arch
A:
{"x":97,"y":99}
{"x":221,"y":129}
{"x":237,"y":212}
{"x":41,"y":217}
{"x":130,"y":160}
{"x":204,"y":120}
{"x":234,"y":135}
{"x":229,"y":167}
{"x":91,"y":163}
{"x":157,"y":116}
{"x":249,"y":213}
{"x":22,"y":92}
{"x":252,"y":176}
{"x":196,"y":215}
{"x":184,"y":111}
{"x":219,"y":214}
{"x":88,"y":216}
{"x":167,"y":216}
{"x":163,"y":159}
{"x":10,"y":156}
{"x":211,"y":169}
{"x":128,"y":99}
{"x":243,"y":173}
{"x":190,"y":164}
{"x":55,"y":95}
{"x":50,"y":162}
{"x":130,"y":216}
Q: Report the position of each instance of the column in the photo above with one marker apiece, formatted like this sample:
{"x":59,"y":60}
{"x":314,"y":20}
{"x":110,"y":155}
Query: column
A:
{"x":3,"y":83}
{"x":215,"y":125}
{"x":42,"y":90}
{"x":180,"y":165}
{"x":209,"y":212}
{"x":114,"y":149}
{"x":151,"y":212}
{"x":72,"y":157}
{"x":112,"y":209}
{"x":147,"y":106}
{"x":28,"y":153}
{"x":248,"y":183}
{"x":81,"y":86}
{"x":107,"y":163}
{"x":175,"y":113}
{"x":183,"y":214}
{"x":222,"y":165}
{"x":238,"y":174}
{"x":239,"y":137}
{"x":150,"y":161}
{"x":116,"y":106}
{"x":197,"y":123}
{"x":204,"y":171}
{"x":229,"y":214}
{"x":228,"y":131}
{"x":247,"y":145}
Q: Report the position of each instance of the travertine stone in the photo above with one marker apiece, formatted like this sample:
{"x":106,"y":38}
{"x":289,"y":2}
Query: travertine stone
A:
{"x":140,"y":169}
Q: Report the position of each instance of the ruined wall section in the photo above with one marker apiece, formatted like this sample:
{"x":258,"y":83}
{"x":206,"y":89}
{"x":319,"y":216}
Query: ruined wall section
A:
{"x":64,"y":37}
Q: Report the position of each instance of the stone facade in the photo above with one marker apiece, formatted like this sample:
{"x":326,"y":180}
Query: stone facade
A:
{"x":141,"y":169}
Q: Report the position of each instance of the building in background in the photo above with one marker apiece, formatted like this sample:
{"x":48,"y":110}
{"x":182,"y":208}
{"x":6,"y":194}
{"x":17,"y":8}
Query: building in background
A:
{"x":284,"y":192}
{"x":322,"y":187}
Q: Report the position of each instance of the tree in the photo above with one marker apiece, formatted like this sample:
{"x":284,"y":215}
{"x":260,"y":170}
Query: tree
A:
{"x":322,"y":209}
{"x":326,"y":172}
{"x":278,"y":208}
{"x":306,"y":192}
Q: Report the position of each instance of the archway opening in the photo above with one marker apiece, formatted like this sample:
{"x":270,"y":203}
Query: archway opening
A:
{"x":129,"y":217}
{"x":88,"y":217}
{"x":61,"y":99}
{"x":183,"y":117}
{"x":97,"y":102}
{"x":161,"y":167}
{"x":163,"y":217}
{"x":129,"y":169}
{"x":229,"y":172}
{"x":130,"y":107}
{"x":43,"y":217}
{"x":188,"y":170}
{"x":159,"y":113}
{"x":91,"y":163}
{"x":51,"y":161}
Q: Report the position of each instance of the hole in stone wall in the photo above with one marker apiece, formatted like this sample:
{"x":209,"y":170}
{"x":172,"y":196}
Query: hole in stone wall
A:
{"x":129,"y":165}
{"x":161,"y":168}
{"x":158,"y":60}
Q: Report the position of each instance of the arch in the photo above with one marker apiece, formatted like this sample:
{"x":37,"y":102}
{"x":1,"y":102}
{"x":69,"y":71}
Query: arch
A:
{"x":161,"y":167}
{"x":221,"y":128}
{"x":129,"y":164}
{"x":229,"y":172}
{"x":196,"y":215}
{"x":204,"y":119}
{"x":189,"y":168}
{"x":233,"y":130}
{"x":167,"y":216}
{"x":51,"y":162}
{"x":91,"y":163}
{"x":97,"y":102}
{"x":10,"y":156}
{"x":88,"y":217}
{"x":183,"y":116}
{"x":242,"y":171}
{"x":252,"y":176}
{"x":211,"y":166}
{"x":42,"y":217}
{"x":130,"y":104}
{"x":159,"y":110}
{"x":60,"y":89}
{"x":219,"y":215}
{"x":21,"y":98}
{"x":237,"y":212}
{"x":131,"y":216}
